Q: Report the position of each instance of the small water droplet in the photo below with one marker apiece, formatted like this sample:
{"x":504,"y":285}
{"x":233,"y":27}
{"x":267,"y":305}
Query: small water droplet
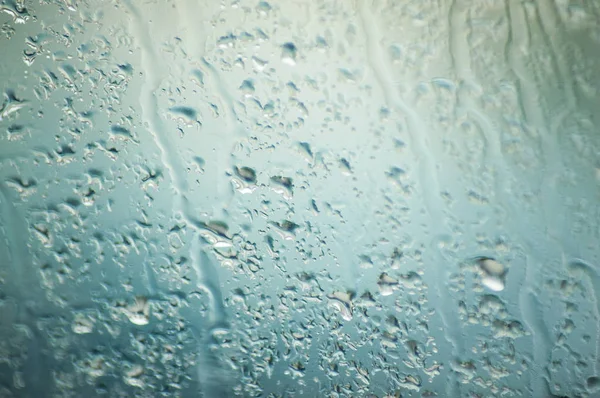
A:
{"x":185,"y":113}
{"x":246,"y":173}
{"x":82,"y":325}
{"x":133,"y":376}
{"x":264,"y":7}
{"x":139,"y":311}
{"x":283,"y":186}
{"x":289,"y":53}
{"x":247,"y":87}
{"x":386,"y":284}
{"x":342,"y":301}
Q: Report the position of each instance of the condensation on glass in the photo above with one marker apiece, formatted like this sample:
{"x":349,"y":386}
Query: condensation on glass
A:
{"x":300,"y":198}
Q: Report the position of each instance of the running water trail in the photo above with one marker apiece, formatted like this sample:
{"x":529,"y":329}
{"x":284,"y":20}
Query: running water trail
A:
{"x":223,"y":138}
{"x":206,"y":273}
{"x":21,"y":288}
{"x":533,"y":317}
{"x":17,"y":237}
{"x":592,"y":274}
{"x":427,"y":178}
{"x":521,"y":37}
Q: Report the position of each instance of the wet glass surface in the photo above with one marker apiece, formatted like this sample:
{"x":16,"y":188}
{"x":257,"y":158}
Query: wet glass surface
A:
{"x":300,"y":198}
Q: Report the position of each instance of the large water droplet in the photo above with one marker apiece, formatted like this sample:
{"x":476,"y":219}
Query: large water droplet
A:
{"x":494,"y":273}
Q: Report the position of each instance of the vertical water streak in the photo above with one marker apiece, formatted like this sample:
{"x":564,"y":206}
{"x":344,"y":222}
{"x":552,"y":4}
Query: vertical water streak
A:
{"x":171,"y":161}
{"x":422,"y":150}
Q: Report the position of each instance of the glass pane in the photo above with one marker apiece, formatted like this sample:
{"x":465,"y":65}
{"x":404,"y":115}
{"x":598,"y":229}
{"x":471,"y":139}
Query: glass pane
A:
{"x":299,"y":198}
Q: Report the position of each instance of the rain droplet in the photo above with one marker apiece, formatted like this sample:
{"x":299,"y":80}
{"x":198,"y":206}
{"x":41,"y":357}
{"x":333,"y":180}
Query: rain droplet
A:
{"x":186,"y":113}
{"x":247,"y":87}
{"x":289,"y":53}
{"x":139,"y":312}
{"x":342,"y":301}
{"x":493,"y":273}
{"x":82,"y":325}
{"x":133,"y":376}
{"x":246,"y":173}
{"x":283,"y":186}
{"x":264,"y":7}
{"x":386,"y":284}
